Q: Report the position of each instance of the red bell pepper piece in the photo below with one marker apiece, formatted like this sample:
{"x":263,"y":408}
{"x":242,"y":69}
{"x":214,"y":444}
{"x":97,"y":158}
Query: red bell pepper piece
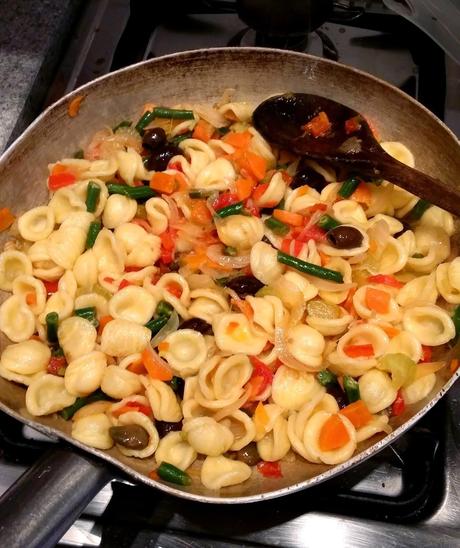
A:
{"x":427,"y":354}
{"x":262,"y":376}
{"x":398,"y":405}
{"x":311,"y":233}
{"x":60,"y":180}
{"x":270,"y":469}
{"x":385,"y":279}
{"x":168,"y":244}
{"x":56,"y":365}
{"x":225,"y":199}
{"x":51,"y":287}
{"x":124,"y":283}
{"x":359,"y":350}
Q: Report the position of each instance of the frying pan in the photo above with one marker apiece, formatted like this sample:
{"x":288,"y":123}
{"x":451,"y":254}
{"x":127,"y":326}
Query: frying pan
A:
{"x":39,"y":508}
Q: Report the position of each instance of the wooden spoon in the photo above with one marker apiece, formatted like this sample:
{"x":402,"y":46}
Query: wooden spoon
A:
{"x":281,"y":119}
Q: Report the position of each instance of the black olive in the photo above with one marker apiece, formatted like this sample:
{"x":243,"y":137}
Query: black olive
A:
{"x":339,"y":395}
{"x":178,"y":385}
{"x":164,"y":427}
{"x":345,"y":237}
{"x":197,"y":324}
{"x":249,"y":454}
{"x":154,"y":138}
{"x":244,"y":285}
{"x":131,"y":436}
{"x":160,"y":157}
{"x":406,"y":226}
{"x":305,"y":175}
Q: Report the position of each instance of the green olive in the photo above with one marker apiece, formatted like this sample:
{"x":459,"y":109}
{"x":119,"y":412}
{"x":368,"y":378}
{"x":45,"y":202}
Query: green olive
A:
{"x":131,"y":436}
{"x":249,"y":454}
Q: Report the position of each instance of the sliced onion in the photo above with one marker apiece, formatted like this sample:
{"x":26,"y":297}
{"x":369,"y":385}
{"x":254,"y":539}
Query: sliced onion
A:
{"x":211,"y":115}
{"x":314,"y":219}
{"x":230,"y":409}
{"x":292,"y":298}
{"x":326,"y":285}
{"x":285,"y":356}
{"x":170,"y":326}
{"x":174,"y":218}
{"x":215,"y":254}
{"x":275,"y":240}
{"x":379,"y":234}
{"x":424,"y":369}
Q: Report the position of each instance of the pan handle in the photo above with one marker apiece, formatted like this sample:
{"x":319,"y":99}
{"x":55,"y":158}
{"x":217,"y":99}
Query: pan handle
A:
{"x":38,"y":509}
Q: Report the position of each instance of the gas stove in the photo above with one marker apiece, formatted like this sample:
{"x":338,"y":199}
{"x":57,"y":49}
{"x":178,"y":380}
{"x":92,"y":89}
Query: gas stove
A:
{"x":406,"y":495}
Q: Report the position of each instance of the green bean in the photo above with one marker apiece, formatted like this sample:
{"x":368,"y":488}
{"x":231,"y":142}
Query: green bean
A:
{"x":415,"y":214}
{"x":309,"y":268}
{"x":348,"y":187}
{"x":52,"y":321}
{"x":164,"y":309}
{"x":162,"y":112}
{"x":233,"y":209}
{"x":88,"y":313}
{"x":93,"y":231}
{"x":123,"y":123}
{"x":155,"y":324}
{"x":351,"y":387}
{"x":68,"y":412}
{"x":93,"y":190}
{"x":134,"y":192}
{"x":326,"y":377}
{"x":171,"y":473}
{"x":179,"y":138}
{"x":277,"y":227}
{"x":327,"y":222}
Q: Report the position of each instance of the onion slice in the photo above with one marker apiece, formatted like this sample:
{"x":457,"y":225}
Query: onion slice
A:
{"x":286,"y":357}
{"x":215,"y":254}
{"x":424,"y":369}
{"x":174,"y":218}
{"x":170,"y":326}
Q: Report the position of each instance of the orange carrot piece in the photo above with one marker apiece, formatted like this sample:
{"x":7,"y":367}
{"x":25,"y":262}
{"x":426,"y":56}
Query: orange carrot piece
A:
{"x":102,"y":323}
{"x":358,"y":413}
{"x":203,"y":131}
{"x":293,"y":219}
{"x":156,"y":367}
{"x":137,"y":367}
{"x":124,"y":409}
{"x":175,"y":289}
{"x":359,"y":350}
{"x":244,"y":307}
{"x":239,"y":139}
{"x":74,"y":106}
{"x":31,"y":298}
{"x":244,"y":188}
{"x":163,"y":346}
{"x":333,"y":435}
{"x":257,"y":165}
{"x":362,"y":194}
{"x":199,"y":212}
{"x":377,"y":300}
{"x":163,"y":183}
{"x":6,"y":218}
{"x":153,"y":474}
{"x":231,"y":327}
{"x":318,"y":125}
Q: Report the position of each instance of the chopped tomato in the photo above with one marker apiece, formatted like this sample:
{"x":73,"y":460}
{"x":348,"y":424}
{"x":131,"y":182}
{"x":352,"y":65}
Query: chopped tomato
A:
{"x":262,"y":376}
{"x":318,"y":126}
{"x":358,"y":413}
{"x":124,"y":283}
{"x":270,"y":469}
{"x":6,"y":218}
{"x":312,"y":232}
{"x":359,"y":350}
{"x":292,"y":247}
{"x":225,"y":199}
{"x":386,"y":279}
{"x":316,"y":207}
{"x":333,"y":434}
{"x":51,"y":287}
{"x":133,"y":268}
{"x":258,"y":192}
{"x":352,"y":125}
{"x":103,"y":321}
{"x":377,"y":300}
{"x":175,"y":289}
{"x":286,"y":177}
{"x":398,"y":405}
{"x":200,"y":213}
{"x":168,"y":244}
{"x":56,"y":365}
{"x":427,"y":354}
{"x":60,"y":180}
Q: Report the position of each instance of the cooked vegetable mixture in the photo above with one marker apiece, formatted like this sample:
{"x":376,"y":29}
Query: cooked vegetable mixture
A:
{"x":192,"y":292}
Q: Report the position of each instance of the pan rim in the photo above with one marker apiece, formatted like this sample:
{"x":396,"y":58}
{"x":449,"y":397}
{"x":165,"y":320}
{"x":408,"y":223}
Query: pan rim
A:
{"x":310,"y":482}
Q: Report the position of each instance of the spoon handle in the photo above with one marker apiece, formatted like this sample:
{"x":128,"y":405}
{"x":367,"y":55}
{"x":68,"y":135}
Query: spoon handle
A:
{"x":433,"y":190}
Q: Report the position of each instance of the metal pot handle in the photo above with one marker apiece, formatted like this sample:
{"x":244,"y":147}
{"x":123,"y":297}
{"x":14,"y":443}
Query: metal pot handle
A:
{"x":38,"y":509}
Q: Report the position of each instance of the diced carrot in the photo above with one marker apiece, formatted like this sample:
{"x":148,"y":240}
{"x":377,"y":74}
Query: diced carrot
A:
{"x":31,"y":298}
{"x":324,"y":258}
{"x":240,"y":139}
{"x":198,"y":259}
{"x":156,"y":367}
{"x":203,"y":131}
{"x":231,"y":327}
{"x":352,"y":125}
{"x":59,"y":168}
{"x":390,"y":330}
{"x":333,"y":434}
{"x":164,"y":183}
{"x":257,"y":165}
{"x":359,"y":350}
{"x":175,"y":289}
{"x":377,"y":300}
{"x":362,"y":194}
{"x":153,"y":474}
{"x":314,"y":208}
{"x":260,"y":418}
{"x":453,"y":366}
{"x":163,"y":346}
{"x":244,"y":188}
{"x":124,"y":409}
{"x":244,"y":307}
{"x":318,"y":126}
{"x":137,"y":367}
{"x":358,"y":413}
{"x":293,"y":219}
{"x":74,"y":106}
{"x":102,"y":323}
{"x":6,"y":218}
{"x":199,"y":212}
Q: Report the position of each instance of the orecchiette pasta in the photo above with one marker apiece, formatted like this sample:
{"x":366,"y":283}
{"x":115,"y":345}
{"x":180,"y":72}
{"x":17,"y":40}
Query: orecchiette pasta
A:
{"x":132,"y":303}
{"x":174,"y":450}
{"x":218,"y":472}
{"x":264,"y":263}
{"x":47,"y":394}
{"x":77,"y":337}
{"x":419,"y":389}
{"x":93,"y":430}
{"x":292,"y":389}
{"x":118,"y":210}
{"x":186,"y":351}
{"x":36,"y":224}
{"x":158,"y":214}
{"x":376,"y":390}
{"x":17,"y":320}
{"x":240,"y":231}
{"x":84,"y":374}
{"x":122,"y":337}
{"x":431,"y":324}
{"x":162,"y":400}
{"x":119,"y":383}
{"x":21,"y":362}
{"x":12,"y":265}
{"x":233,"y":334}
{"x":207,"y":436}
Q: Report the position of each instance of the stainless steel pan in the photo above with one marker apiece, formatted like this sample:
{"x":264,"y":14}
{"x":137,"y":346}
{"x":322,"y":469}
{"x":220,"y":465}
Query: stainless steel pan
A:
{"x":197,"y":76}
